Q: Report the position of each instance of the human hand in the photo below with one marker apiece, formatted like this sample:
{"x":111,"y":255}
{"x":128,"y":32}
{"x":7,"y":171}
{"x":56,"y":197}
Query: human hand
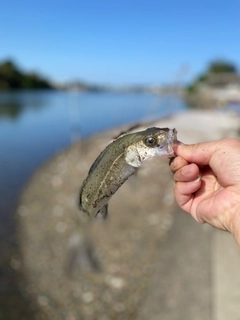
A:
{"x":207,"y":177}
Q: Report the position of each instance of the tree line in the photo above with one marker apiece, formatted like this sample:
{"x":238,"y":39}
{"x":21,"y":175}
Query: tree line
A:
{"x":11,"y":77}
{"x":219,"y":73}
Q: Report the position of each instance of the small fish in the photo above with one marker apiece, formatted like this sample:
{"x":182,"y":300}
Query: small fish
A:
{"x":118,"y":161}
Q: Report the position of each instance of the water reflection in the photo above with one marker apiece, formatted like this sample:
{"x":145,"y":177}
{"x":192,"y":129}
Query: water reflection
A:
{"x":13,"y":104}
{"x":10,"y":109}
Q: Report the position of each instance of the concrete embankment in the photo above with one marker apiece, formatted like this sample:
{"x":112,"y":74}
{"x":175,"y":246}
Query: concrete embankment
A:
{"x":153,"y":260}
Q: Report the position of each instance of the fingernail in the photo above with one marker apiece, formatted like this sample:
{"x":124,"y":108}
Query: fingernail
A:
{"x":198,"y":179}
{"x":186,"y":170}
{"x":172,"y":163}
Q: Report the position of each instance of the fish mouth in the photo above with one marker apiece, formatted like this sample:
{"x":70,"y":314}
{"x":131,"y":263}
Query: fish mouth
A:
{"x":171,"y":139}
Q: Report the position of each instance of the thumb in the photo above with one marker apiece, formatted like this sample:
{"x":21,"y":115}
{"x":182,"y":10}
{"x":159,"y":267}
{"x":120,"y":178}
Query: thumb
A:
{"x":199,"y":153}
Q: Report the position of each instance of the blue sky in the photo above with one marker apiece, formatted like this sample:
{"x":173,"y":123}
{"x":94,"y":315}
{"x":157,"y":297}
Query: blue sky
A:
{"x":119,"y":42}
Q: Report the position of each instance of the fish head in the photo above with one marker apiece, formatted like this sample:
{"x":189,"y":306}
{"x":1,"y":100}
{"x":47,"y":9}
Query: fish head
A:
{"x":153,"y":141}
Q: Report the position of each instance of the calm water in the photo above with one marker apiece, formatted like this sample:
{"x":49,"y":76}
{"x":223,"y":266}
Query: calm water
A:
{"x":36,"y":125}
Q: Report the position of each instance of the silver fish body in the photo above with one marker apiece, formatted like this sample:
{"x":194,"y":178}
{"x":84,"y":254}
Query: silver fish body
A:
{"x":118,"y":161}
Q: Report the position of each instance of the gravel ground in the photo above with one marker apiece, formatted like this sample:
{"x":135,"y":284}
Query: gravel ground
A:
{"x":76,"y":270}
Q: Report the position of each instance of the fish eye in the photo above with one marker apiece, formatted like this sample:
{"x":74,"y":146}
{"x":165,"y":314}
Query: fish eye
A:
{"x":150,"y":141}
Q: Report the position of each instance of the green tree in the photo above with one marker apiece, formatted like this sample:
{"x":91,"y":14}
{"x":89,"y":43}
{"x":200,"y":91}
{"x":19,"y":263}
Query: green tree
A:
{"x":11,"y":77}
{"x":218,"y":69}
{"x":221,"y":67}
